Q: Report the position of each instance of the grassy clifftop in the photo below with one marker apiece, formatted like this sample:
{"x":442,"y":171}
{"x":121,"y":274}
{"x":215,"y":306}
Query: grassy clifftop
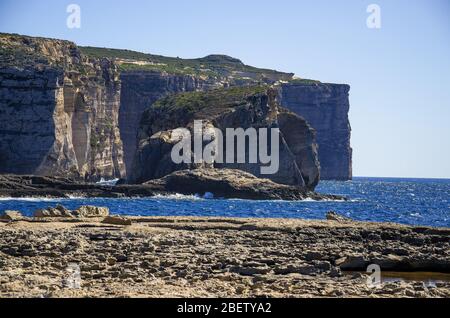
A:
{"x":217,"y":98}
{"x":18,"y":50}
{"x":218,"y":66}
{"x":26,"y":51}
{"x":21,"y":50}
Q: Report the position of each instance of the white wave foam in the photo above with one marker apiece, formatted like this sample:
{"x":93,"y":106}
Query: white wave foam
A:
{"x":107,"y":182}
{"x":30,"y":199}
{"x":208,"y":195}
{"x":176,"y":196}
{"x":326,"y":200}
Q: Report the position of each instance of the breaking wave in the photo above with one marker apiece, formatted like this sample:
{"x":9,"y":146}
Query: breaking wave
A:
{"x":176,"y":196}
{"x":112,"y":182}
{"x":31,"y":199}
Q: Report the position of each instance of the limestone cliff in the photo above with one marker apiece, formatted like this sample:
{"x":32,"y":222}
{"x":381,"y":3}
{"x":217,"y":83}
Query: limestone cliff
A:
{"x":235,"y":107}
{"x":325,"y":107}
{"x":146,"y":78}
{"x":68,"y":110}
{"x":58,"y":110}
{"x":140,"y":89}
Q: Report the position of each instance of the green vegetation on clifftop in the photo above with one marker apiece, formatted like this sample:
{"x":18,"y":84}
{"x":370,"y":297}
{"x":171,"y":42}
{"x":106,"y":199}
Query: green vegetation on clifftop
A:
{"x":21,"y":50}
{"x":218,"y":66}
{"x":217,"y":98}
{"x":304,"y":81}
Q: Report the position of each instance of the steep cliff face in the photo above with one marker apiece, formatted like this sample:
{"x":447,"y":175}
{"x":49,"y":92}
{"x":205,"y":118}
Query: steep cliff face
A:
{"x":76,"y":111}
{"x":235,"y":107}
{"x":140,"y":89}
{"x":146,"y":78}
{"x":58,"y":110}
{"x":325,"y":107}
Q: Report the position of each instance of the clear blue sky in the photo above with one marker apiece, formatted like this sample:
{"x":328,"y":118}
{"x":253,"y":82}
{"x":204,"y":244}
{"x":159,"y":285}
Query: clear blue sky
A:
{"x":399,"y":74}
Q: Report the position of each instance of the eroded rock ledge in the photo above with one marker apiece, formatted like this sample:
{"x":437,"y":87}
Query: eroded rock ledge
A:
{"x":217,"y":257}
{"x":225,"y":183}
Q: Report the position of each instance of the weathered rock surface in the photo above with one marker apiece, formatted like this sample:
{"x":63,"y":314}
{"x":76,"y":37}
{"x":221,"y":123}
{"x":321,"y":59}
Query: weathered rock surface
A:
{"x":116,"y":220}
{"x":333,"y":216}
{"x":220,"y":257}
{"x":325,"y":107}
{"x":10,"y":215}
{"x":237,"y":107}
{"x":230,"y":183}
{"x":88,"y":211}
{"x":85,"y":211}
{"x":58,"y":211}
{"x":227,"y":183}
{"x":58,"y":110}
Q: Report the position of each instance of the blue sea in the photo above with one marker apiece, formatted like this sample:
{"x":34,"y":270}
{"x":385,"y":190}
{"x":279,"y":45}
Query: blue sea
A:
{"x":407,"y":201}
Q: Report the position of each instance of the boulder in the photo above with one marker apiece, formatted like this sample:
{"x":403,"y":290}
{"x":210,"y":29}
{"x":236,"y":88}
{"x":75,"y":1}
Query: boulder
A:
{"x":391,"y":262}
{"x":87,"y":211}
{"x":64,"y":212}
{"x":58,"y":211}
{"x":333,"y":216}
{"x":41,"y":213}
{"x":10,"y":216}
{"x":116,"y":220}
{"x":304,"y":269}
{"x":353,"y":262}
{"x":249,"y":271}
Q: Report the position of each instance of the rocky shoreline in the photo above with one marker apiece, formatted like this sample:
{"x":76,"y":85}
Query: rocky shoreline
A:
{"x":214,"y":257}
{"x":224,"y":183}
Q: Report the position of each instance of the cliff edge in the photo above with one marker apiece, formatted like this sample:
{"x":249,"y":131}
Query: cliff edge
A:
{"x":58,"y":110}
{"x":325,"y":107}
